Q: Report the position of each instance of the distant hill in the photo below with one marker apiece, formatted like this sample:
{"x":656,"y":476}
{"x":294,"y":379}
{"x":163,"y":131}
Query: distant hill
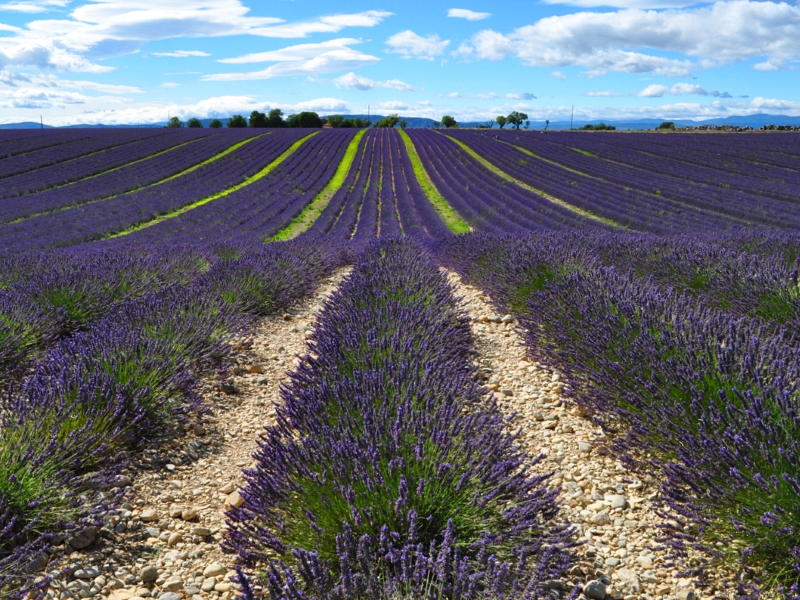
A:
{"x":754,"y":121}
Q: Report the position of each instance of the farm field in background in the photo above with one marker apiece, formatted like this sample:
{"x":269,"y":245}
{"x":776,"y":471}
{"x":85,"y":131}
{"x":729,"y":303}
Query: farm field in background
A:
{"x":657,"y":274}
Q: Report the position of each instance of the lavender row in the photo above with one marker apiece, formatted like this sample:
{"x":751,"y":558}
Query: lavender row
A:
{"x":259,"y":210}
{"x":682,"y":185}
{"x":484,"y":199}
{"x":389,"y":473}
{"x":124,"y":179}
{"x":707,"y":399}
{"x":49,"y":295}
{"x":128,"y":381}
{"x":96,"y":220}
{"x":746,"y":189}
{"x":82,"y":167}
{"x":627,"y":207}
{"x":13,"y":143}
{"x":69,"y":150}
{"x":380,"y":196}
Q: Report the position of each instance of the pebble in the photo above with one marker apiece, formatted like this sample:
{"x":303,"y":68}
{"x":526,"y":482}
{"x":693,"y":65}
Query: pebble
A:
{"x":214,"y":570}
{"x":170,"y":596}
{"x":595,"y":589}
{"x":685,"y":594}
{"x":149,"y":515}
{"x":149,"y":574}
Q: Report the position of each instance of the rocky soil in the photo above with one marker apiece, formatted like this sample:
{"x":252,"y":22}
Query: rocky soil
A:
{"x":165,"y":542}
{"x":613,"y":510}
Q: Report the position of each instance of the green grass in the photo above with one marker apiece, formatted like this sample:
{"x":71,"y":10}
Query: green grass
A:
{"x":497,"y":171}
{"x":448,"y":214}
{"x":303,"y":222}
{"x":249,"y":180}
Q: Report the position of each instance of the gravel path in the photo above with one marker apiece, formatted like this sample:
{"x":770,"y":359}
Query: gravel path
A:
{"x":165,"y":543}
{"x":612,"y":509}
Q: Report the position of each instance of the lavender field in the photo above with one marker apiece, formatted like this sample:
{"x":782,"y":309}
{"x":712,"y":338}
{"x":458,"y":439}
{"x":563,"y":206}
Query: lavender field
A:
{"x":656,"y":276}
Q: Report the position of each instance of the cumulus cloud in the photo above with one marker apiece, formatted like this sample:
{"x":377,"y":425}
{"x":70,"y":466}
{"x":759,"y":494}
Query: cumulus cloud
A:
{"x":354,"y":82}
{"x":299,"y":59}
{"x":625,"y":3}
{"x":182,"y":53}
{"x":412,"y":45}
{"x":469,"y":15}
{"x":454,"y":95}
{"x":100,"y":29}
{"x":558,"y":75}
{"x":679,"y":89}
{"x":522,"y":96}
{"x":621,"y":40}
{"x":170,"y":84}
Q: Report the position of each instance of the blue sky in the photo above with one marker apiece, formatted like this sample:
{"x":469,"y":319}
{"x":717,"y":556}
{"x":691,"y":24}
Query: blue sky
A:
{"x":133,"y":61}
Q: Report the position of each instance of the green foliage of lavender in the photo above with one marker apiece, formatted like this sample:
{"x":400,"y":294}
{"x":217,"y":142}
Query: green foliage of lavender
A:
{"x":708,"y":397}
{"x":389,"y":474}
{"x":126,"y":380}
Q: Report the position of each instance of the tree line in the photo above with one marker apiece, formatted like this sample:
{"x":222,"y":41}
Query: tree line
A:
{"x":274,"y":118}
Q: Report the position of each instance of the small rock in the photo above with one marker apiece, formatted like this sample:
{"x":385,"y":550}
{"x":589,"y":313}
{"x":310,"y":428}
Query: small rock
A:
{"x":86,"y":573}
{"x":617,"y":500}
{"x":208,"y":584}
{"x":149,"y":515}
{"x":149,"y":574}
{"x":201,"y":531}
{"x":83,"y":538}
{"x":685,"y":594}
{"x":234,"y":500}
{"x":600,"y":518}
{"x":228,"y":488}
{"x":189,"y":514}
{"x":214,"y":570}
{"x":172,"y":585}
{"x":595,"y":589}
{"x":169,"y":596}
{"x":174,"y":538}
{"x":229,"y":388}
{"x":223,"y":586}
{"x":121,"y":595}
{"x":628,"y":580}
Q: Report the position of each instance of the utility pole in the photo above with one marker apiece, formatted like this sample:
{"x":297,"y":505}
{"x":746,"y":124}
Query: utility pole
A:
{"x":571,"y":116}
{"x":41,"y":122}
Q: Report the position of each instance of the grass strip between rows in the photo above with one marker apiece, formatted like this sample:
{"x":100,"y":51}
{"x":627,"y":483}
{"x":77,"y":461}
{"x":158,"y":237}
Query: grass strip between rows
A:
{"x":252,"y":179}
{"x":303,"y":222}
{"x":499,"y":172}
{"x":448,"y":214}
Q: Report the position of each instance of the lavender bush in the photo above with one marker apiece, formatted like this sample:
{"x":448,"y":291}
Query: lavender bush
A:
{"x":389,"y":474}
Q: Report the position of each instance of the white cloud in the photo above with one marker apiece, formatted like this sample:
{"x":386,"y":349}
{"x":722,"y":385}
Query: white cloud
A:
{"x":99,"y":29}
{"x":325,"y":24}
{"x":32,"y":6}
{"x":469,"y":15}
{"x":558,"y":75}
{"x":454,"y":95}
{"x":602,"y":94}
{"x":319,"y":105}
{"x":412,"y":45}
{"x":390,"y":106}
{"x":621,"y":40}
{"x":679,"y":89}
{"x":170,"y":84}
{"x":486,"y":95}
{"x":522,"y":96}
{"x":354,"y":82}
{"x":182,"y":53}
{"x":300,"y":59}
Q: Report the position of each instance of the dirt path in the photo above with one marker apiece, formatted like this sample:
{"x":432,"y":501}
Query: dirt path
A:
{"x":611,"y":508}
{"x":165,"y":544}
